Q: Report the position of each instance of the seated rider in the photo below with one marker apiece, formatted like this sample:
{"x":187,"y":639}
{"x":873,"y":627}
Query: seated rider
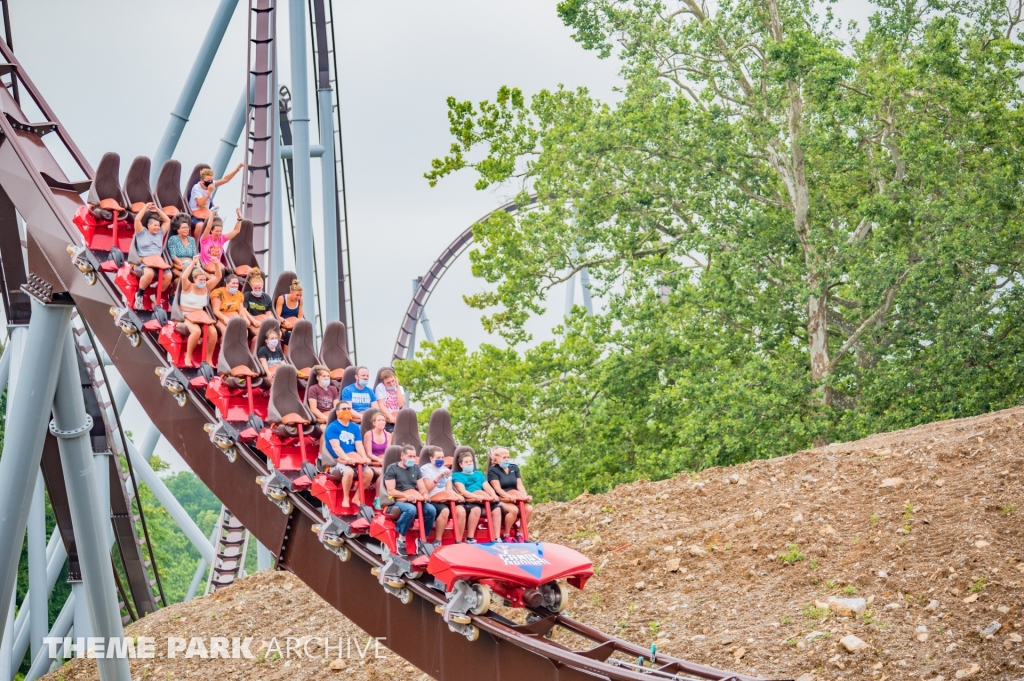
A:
{"x":256,"y":303}
{"x":226,"y":301}
{"x":471,"y":484}
{"x":376,"y":440}
{"x":289,"y":309}
{"x":182,"y":246}
{"x":211,"y":245}
{"x":390,"y":396}
{"x":270,"y":355}
{"x":437,"y":479}
{"x":151,"y":225}
{"x":343,"y":452}
{"x":506,"y":481}
{"x":360,"y":394}
{"x":192,"y":302}
{"x":404,"y":484}
{"x":200,"y":200}
{"x":322,"y":395}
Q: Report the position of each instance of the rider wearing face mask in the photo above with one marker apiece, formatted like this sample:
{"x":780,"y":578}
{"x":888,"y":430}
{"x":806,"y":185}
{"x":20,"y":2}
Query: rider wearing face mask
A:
{"x":256,"y":305}
{"x":507,"y":483}
{"x":321,"y":394}
{"x":270,"y":354}
{"x":437,"y":478}
{"x":359,"y":394}
{"x":405,"y":486}
{"x":226,"y":301}
{"x":471,"y":484}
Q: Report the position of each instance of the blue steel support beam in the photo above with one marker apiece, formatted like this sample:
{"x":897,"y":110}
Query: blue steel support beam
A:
{"x":300,"y":151}
{"x":329,"y":190}
{"x":229,"y":142}
{"x":193,"y":84}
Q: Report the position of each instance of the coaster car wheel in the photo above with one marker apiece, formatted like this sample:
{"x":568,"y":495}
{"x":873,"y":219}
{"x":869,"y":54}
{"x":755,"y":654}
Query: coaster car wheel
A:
{"x":472,"y":633}
{"x":406,"y":596}
{"x":483,"y":599}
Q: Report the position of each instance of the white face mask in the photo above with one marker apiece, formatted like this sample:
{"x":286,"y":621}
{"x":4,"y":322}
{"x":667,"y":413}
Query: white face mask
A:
{"x":324,"y":382}
{"x":272,"y":343}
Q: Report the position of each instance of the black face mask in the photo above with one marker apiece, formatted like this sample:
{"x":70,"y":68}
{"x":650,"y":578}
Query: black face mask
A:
{"x":207,"y":183}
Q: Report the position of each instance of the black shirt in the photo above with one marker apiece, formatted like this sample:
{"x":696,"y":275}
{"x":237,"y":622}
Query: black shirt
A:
{"x":257,"y":306}
{"x":405,"y":478}
{"x":273,"y":357}
{"x":507,"y":479}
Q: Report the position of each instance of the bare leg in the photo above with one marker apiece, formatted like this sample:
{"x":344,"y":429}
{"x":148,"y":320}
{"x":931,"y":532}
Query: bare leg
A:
{"x":146,"y":279}
{"x":460,"y":521}
{"x":165,"y":280}
{"x":211,"y":342}
{"x":511,"y":514}
{"x":346,"y":486}
{"x":195,"y":332}
{"x":474,"y":521}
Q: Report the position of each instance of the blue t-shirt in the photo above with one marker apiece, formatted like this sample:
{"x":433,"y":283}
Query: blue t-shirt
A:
{"x":360,"y":398}
{"x":473,"y":482}
{"x":348,"y":436}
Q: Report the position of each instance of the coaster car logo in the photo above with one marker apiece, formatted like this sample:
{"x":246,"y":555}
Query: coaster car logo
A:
{"x":512,"y":554}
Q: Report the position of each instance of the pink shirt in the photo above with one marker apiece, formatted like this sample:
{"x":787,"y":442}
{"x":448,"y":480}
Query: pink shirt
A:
{"x":211,"y":249}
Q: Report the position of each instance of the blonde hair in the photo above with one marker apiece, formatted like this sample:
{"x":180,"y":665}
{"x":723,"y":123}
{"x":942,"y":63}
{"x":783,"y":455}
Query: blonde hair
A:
{"x":320,"y":369}
{"x":206,"y":172}
{"x":254,"y":275}
{"x":295,"y":285}
{"x":387,"y":373}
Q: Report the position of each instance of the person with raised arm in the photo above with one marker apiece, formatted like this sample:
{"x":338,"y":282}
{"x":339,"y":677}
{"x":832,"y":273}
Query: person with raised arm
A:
{"x":200,"y":200}
{"x":151,"y":225}
{"x":211,"y":245}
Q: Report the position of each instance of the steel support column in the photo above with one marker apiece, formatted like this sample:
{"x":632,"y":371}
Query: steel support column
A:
{"x":330,"y":200}
{"x":193,"y":84}
{"x":149,"y":442}
{"x":585,"y":287}
{"x":23,"y":441}
{"x":61,"y":626}
{"x":180,"y":516}
{"x":92,"y":526}
{"x":277,"y":222}
{"x":229,"y":142}
{"x":56,"y":556}
{"x":200,"y":572}
{"x":38,"y":594}
{"x":264,"y":558}
{"x":300,"y":153}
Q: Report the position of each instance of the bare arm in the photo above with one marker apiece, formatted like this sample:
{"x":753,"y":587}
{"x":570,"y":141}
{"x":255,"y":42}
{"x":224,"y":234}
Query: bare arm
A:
{"x":165,"y":222}
{"x":320,"y":416}
{"x":228,"y":177}
{"x":238,"y":226}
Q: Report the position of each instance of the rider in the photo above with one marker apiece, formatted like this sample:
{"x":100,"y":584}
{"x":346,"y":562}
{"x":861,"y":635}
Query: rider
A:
{"x":343,"y":452}
{"x":437,"y":479}
{"x":404,"y":483}
{"x":360,"y":394}
{"x":151,"y":225}
{"x":506,"y":481}
{"x":471,"y":484}
{"x":322,"y":395}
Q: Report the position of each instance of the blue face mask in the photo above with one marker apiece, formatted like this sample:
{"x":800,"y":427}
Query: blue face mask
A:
{"x":439,"y":463}
{"x":361,"y":383}
{"x":467,"y":468}
{"x":409,"y":463}
{"x":505,"y":464}
{"x":200,"y":284}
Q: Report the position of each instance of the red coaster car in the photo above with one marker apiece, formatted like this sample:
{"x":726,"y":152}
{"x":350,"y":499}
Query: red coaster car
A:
{"x":342,"y":520}
{"x":291,"y":443}
{"x":174,"y":339}
{"x":523,"y":574}
{"x":238,"y":389}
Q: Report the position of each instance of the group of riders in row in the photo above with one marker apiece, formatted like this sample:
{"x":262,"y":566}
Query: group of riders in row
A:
{"x":195,"y":244}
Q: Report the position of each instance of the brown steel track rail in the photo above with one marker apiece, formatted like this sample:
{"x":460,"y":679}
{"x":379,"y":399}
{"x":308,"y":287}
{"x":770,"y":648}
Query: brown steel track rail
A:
{"x":47,"y":199}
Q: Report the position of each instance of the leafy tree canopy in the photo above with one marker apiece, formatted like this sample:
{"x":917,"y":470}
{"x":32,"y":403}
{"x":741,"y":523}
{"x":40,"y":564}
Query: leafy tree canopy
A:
{"x":799,"y":237}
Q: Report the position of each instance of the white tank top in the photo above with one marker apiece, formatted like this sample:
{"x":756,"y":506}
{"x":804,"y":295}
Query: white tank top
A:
{"x":196,"y":301}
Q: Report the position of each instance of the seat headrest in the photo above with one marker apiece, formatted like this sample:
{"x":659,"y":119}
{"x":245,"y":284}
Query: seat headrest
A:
{"x":459,"y":450}
{"x":349,"y":378}
{"x":284,"y":280}
{"x":265,"y":326}
{"x":284,"y":396}
{"x":234,"y":348}
{"x":136,"y":183}
{"x":168,"y":187}
{"x":239,"y":251}
{"x":407,"y":429}
{"x":366,"y":425}
{"x":439,"y":431}
{"x":193,"y":178}
{"x":391,"y":455}
{"x":334,"y":347}
{"x":301,"y":351}
{"x":377,"y":379}
{"x":106,"y":184}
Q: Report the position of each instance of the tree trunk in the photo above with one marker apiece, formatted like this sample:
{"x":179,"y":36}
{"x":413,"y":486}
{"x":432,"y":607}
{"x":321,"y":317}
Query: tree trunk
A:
{"x":817,"y":343}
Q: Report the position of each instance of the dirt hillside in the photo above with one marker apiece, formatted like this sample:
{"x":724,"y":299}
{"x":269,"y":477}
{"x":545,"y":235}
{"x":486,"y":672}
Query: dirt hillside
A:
{"x":736,"y":567}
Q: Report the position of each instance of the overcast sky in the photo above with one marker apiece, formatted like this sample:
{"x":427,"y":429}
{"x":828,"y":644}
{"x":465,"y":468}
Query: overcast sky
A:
{"x":112,"y":70}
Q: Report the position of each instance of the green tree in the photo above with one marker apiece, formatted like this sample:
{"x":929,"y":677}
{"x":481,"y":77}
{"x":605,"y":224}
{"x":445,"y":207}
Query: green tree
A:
{"x":799,"y":237}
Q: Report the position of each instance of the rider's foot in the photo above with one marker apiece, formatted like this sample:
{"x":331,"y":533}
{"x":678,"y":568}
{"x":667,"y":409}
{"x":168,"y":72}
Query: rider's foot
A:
{"x":138,"y":301}
{"x":470,"y":540}
{"x":400,"y":545}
